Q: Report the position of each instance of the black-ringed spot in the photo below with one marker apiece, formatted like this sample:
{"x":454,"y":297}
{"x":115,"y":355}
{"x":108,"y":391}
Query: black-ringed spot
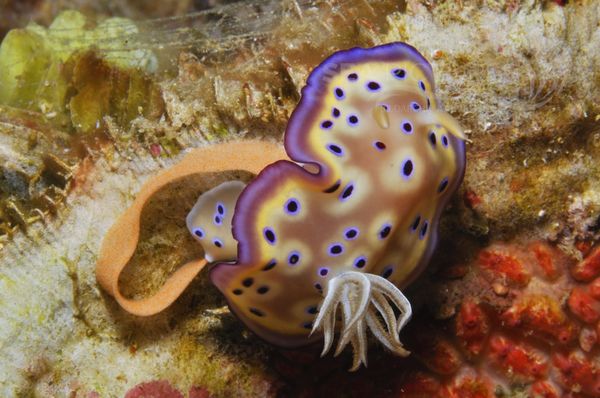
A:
{"x":360,"y":262}
{"x":399,"y":73}
{"x":443,"y":185}
{"x":335,"y":149}
{"x":199,"y":232}
{"x":256,"y":312}
{"x":294,"y":258}
{"x":269,"y":235}
{"x":335,"y":249}
{"x":292,"y":206}
{"x":387,"y":271}
{"x":351,"y":233}
{"x":423,"y":231}
{"x":407,"y":168}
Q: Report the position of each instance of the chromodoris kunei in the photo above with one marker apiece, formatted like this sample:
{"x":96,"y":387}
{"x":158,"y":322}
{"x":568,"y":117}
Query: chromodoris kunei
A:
{"x":352,"y":218}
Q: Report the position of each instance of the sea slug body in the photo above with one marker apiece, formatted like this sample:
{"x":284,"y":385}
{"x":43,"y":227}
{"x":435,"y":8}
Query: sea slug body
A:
{"x":388,"y":160}
{"x":351,"y":219}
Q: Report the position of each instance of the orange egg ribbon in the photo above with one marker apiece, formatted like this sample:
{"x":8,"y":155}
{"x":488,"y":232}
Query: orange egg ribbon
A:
{"x":121,"y":240}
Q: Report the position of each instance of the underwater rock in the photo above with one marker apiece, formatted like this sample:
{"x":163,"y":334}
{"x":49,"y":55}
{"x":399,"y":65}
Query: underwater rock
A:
{"x":33,"y":180}
{"x":57,"y":84}
{"x":522,"y":77}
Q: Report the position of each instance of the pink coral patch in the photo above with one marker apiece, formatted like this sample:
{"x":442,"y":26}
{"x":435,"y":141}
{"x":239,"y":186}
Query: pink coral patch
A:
{"x":154,"y":389}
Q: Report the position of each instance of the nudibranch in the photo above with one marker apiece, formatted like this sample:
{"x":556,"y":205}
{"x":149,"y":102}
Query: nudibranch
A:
{"x":350,"y":220}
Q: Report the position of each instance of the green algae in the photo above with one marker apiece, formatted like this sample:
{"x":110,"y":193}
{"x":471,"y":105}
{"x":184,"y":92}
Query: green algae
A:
{"x":75,"y":74}
{"x":103,"y":90}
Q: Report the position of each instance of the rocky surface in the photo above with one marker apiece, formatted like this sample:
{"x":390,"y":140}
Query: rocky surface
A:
{"x":513,"y":307}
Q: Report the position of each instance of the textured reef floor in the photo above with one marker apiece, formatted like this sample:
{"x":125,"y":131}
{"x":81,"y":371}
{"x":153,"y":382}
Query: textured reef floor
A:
{"x":512,"y":303}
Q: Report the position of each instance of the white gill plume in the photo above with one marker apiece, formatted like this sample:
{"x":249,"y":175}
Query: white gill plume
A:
{"x":364,"y":300}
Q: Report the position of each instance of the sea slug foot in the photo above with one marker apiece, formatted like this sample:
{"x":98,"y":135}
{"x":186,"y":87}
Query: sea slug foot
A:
{"x":365,"y":300}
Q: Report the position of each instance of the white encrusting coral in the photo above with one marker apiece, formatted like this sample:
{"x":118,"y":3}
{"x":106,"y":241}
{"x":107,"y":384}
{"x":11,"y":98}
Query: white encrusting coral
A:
{"x":365,"y":299}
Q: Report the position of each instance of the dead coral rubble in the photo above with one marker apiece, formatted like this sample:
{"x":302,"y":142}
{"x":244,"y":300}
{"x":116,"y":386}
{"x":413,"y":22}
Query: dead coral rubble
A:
{"x":499,"y":319}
